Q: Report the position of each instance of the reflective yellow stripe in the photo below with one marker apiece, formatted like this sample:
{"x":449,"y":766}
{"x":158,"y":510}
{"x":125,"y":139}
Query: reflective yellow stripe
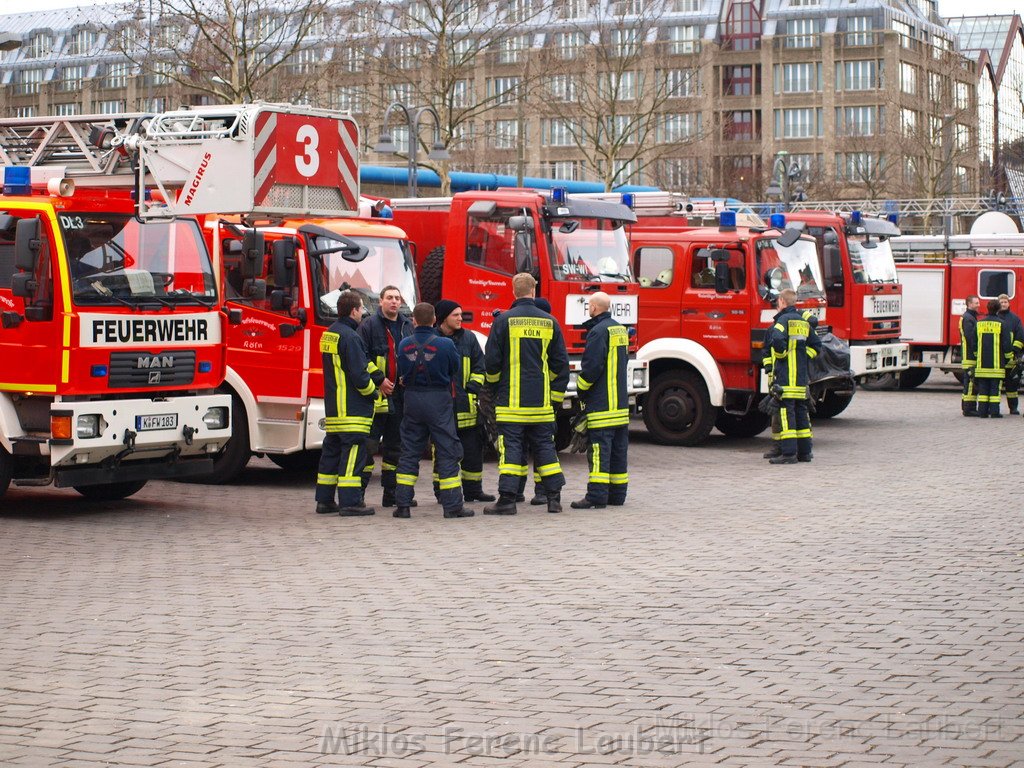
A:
{"x":492,"y":378}
{"x":447,"y":483}
{"x":599,"y":477}
{"x":326,"y":479}
{"x":472,"y":476}
{"x":519,"y":470}
{"x":582,"y":384}
{"x":533,"y":415}
{"x":386,"y":467}
{"x":549,"y":469}
{"x":620,"y":478}
{"x":405,"y":479}
{"x":557,"y":397}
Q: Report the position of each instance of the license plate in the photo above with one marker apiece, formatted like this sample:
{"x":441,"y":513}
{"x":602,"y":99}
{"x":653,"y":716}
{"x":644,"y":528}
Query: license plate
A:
{"x":156,"y":421}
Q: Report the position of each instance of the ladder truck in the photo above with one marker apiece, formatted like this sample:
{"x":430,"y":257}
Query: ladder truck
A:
{"x":113,"y":326}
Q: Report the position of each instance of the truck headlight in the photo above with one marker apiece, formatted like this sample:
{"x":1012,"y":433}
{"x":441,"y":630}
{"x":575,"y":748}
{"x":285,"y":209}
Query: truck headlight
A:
{"x":216,"y":418}
{"x":88,"y":425}
{"x":639,"y":378}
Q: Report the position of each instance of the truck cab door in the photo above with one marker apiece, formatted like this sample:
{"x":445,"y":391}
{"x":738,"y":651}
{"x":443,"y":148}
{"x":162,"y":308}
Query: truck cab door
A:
{"x":31,"y":331}
{"x":655,"y":266}
{"x":480,"y":268}
{"x":719,"y":320}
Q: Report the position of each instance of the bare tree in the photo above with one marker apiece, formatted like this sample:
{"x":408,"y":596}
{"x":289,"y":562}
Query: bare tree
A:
{"x":227,"y":50}
{"x":611,"y":103}
{"x":433,"y":53}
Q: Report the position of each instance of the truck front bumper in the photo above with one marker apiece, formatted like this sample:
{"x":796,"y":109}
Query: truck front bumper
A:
{"x":873,"y":359}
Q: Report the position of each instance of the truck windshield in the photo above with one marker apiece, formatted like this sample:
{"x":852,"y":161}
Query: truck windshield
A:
{"x":590,"y":249}
{"x":387,"y":263}
{"x":872,"y":261}
{"x":797,"y":266}
{"x":120,"y":259}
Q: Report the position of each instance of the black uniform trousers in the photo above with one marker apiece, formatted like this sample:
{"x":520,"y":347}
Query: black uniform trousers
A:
{"x":472,"y":440}
{"x":1012,"y":386}
{"x":429,"y":415}
{"x":608,"y":460}
{"x":341,"y":459}
{"x":989,"y":391}
{"x":538,"y":485}
{"x":513,"y":441}
{"x":795,"y":437}
{"x":385,"y":433}
{"x":969,"y":399}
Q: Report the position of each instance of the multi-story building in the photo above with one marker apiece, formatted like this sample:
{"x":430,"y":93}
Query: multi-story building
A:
{"x":865,"y":97}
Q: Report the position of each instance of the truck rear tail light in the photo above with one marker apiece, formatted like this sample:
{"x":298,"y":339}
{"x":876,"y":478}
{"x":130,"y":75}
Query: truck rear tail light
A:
{"x":216,"y":418}
{"x":60,"y":427}
{"x":205,"y":366}
{"x":88,"y":425}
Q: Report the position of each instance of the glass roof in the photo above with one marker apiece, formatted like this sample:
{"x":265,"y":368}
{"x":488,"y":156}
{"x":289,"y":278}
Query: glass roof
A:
{"x":982,"y":32}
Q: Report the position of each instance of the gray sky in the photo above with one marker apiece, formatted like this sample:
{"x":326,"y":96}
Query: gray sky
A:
{"x":946,"y":7}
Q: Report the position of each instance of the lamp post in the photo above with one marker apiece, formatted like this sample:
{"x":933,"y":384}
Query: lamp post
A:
{"x":787,"y":172}
{"x":386,"y":145}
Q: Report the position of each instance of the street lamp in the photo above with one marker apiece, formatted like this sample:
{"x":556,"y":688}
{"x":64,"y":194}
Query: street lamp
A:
{"x":787,"y":172}
{"x":386,"y":145}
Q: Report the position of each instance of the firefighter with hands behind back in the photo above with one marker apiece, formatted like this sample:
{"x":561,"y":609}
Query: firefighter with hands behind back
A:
{"x":602,"y":386}
{"x":350,"y":382}
{"x":968,"y":352}
{"x":794,"y":344}
{"x":468,"y":384}
{"x":528,"y":366}
{"x":1013,"y":372}
{"x":994,"y":357}
{"x":381,"y":332}
{"x":428,"y":367}
{"x":772,"y":402}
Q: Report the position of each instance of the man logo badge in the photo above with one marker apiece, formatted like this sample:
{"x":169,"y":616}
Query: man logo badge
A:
{"x":154,"y":377}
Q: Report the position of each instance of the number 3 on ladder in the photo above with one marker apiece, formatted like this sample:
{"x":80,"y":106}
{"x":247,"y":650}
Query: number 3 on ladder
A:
{"x":308,"y":163}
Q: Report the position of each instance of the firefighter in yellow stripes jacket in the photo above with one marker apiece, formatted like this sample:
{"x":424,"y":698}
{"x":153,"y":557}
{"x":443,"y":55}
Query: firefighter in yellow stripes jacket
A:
{"x":350,"y":383}
{"x":794,"y":344}
{"x":968,"y":353}
{"x":994,"y":357}
{"x":602,"y":386}
{"x":528,"y":366}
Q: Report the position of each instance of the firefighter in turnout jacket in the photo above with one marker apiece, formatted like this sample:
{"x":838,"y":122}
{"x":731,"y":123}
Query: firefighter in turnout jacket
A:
{"x":768,"y":362}
{"x":794,"y":344}
{"x":350,"y":382}
{"x":467,"y":386}
{"x":381,"y":333}
{"x":428,"y":367}
{"x":1013,"y":373}
{"x":994,"y":356}
{"x":528,"y":366}
{"x":602,"y":386}
{"x":968,"y":350}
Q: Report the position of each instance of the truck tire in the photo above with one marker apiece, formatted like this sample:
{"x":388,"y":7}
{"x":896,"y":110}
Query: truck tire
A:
{"x":302,"y":461}
{"x":431,"y":276}
{"x":110,"y":491}
{"x":678,"y":409}
{"x":831,"y":404}
{"x":6,"y":470}
{"x":912,"y":378}
{"x":748,"y":425}
{"x":230,"y":462}
{"x":563,"y":429}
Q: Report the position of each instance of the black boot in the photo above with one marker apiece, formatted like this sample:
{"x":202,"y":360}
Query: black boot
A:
{"x":772,"y":452}
{"x":805,"y":457}
{"x":388,"y":500}
{"x":460,"y":512}
{"x":781,"y":459}
{"x":539,"y":499}
{"x":326,"y":508}
{"x":554,"y":503}
{"x":402,"y":512}
{"x":586,"y":503}
{"x":477,"y":496}
{"x":506,"y":505}
{"x":356,"y":511}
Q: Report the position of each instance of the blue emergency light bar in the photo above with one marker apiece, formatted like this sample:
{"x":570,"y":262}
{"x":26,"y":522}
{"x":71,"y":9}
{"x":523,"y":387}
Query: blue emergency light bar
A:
{"x":855,"y":217}
{"x":17,"y":180}
{"x":628,"y":200}
{"x":894,"y":218}
{"x":777,"y":220}
{"x":727,"y":220}
{"x":558,"y":195}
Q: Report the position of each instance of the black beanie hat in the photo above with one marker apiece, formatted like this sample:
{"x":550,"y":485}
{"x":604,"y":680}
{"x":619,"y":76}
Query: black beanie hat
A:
{"x":543,"y":304}
{"x":443,"y":308}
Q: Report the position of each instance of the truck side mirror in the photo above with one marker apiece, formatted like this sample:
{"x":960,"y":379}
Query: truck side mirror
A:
{"x":523,"y":252}
{"x":721,"y":276}
{"x":833,"y":262}
{"x":27,"y":245}
{"x":284,"y":263}
{"x":24,"y":285}
{"x":790,"y":236}
{"x":519,"y":223}
{"x":280,"y":301}
{"x":252,"y":254}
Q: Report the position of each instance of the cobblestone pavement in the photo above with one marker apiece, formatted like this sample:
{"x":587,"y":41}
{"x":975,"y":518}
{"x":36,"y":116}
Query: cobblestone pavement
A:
{"x":862,"y":610}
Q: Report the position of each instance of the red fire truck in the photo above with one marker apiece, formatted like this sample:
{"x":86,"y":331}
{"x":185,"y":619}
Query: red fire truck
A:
{"x":274,"y":373}
{"x":862,"y":291}
{"x":937,"y":274}
{"x":470,"y":245}
{"x":112,"y":326}
{"x":706,"y":297}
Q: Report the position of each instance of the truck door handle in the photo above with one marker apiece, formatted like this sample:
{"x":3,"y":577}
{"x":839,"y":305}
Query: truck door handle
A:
{"x":690,"y":311}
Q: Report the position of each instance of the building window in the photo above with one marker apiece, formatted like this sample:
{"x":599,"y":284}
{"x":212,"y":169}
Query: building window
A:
{"x":626,"y":42}
{"x":804,"y":3}
{"x":40,"y":45}
{"x":349,"y":97}
{"x":741,"y":125}
{"x":859,"y":75}
{"x":116,"y":76}
{"x":685,"y":6}
{"x":676,"y":128}
{"x":908,"y":122}
{"x":405,"y":54}
{"x":802,"y":33}
{"x":574,"y":9}
{"x":798,"y":78}
{"x":558,"y":132}
{"x":859,"y":30}
{"x":857,"y":166}
{"x":563,"y":169}
{"x":962,"y":138}
{"x":519,"y":10}
{"x":511,"y":49}
{"x":683,"y":40}
{"x":908,"y":78}
{"x":24,"y":111}
{"x":858,"y":121}
{"x":803,"y":123}
{"x":169,"y":35}
{"x":938,"y":88}
{"x":71,"y":78}
{"x":462,"y":94}
{"x":504,"y":134}
{"x":569,"y":44}
{"x":621,"y":129}
{"x":679,"y":172}
{"x":906,"y":32}
{"x":618,"y":86}
{"x":741,"y":80}
{"x":502,"y":90}
{"x":962,"y":97}
{"x":810,"y":165}
{"x":628,"y":7}
{"x":742,"y":27}
{"x":403,"y":92}
{"x":680,"y":83}
{"x":82,"y":42}
{"x":113,"y":107}
{"x":160,"y":73}
{"x":304,"y":61}
{"x":28,"y":81}
{"x":67,"y":110}
{"x":562,"y":88}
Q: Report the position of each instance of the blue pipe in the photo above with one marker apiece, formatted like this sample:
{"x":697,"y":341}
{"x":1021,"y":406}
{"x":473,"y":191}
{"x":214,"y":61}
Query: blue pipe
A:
{"x":463,"y":181}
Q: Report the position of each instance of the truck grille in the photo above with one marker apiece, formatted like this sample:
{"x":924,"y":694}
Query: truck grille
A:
{"x":152,"y":369}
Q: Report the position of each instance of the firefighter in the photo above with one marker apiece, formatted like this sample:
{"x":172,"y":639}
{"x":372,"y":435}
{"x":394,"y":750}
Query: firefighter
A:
{"x":350,"y":382}
{"x":540,"y":498}
{"x":602,"y":386}
{"x":428,"y":367}
{"x":528,"y":366}
{"x":1013,"y":373}
{"x":768,"y":362}
{"x":968,"y":349}
{"x":382,"y":332}
{"x":794,"y":344}
{"x":994,"y":356}
{"x":468,"y":384}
